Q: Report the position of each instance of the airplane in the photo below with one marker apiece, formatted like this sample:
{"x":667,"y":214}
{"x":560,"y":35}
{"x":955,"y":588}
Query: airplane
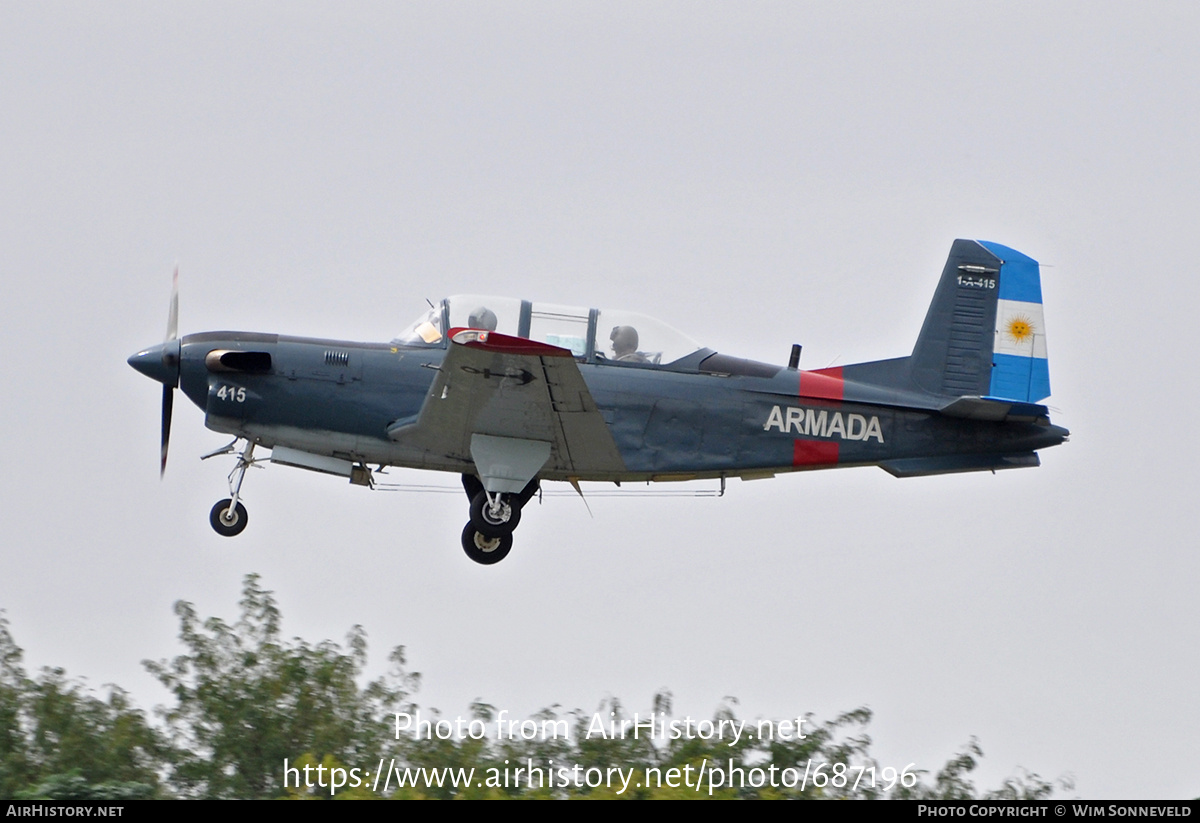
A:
{"x":508,"y":393}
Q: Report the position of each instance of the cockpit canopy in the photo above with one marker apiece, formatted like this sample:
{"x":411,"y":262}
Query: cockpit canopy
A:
{"x":590,"y":334}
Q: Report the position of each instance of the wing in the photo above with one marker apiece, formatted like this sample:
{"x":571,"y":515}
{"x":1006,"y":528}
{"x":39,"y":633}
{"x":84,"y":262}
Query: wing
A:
{"x":506,"y":402}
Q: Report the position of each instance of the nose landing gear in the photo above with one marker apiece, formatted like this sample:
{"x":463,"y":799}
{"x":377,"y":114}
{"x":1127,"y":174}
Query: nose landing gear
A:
{"x":228,"y":517}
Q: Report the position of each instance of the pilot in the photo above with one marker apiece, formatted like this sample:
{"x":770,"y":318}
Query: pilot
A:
{"x":482,"y":318}
{"x":624,"y":343}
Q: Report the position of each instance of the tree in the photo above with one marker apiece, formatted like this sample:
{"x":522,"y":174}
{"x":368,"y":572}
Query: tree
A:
{"x":57,"y":739}
{"x":15,"y":770}
{"x":246,"y":700}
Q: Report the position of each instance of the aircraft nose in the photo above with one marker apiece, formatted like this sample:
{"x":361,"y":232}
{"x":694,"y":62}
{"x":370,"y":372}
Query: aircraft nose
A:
{"x":159,"y":363}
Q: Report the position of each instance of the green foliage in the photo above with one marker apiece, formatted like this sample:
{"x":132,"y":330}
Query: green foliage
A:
{"x":246,"y":700}
{"x":58,"y":740}
{"x":952,"y":782}
{"x":15,"y":769}
{"x":74,"y":786}
{"x":677,"y":763}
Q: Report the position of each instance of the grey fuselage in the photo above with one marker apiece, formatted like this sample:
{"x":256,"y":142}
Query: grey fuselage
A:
{"x":705,"y":416}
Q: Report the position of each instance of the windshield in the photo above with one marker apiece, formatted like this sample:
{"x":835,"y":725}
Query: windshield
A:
{"x":425,"y":331}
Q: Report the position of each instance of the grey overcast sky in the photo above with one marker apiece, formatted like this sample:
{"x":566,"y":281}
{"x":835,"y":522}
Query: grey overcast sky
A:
{"x":755,"y":174}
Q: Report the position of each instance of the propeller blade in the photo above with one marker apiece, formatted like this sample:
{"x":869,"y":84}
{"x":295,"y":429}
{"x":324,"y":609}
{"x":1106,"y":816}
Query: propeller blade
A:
{"x":167,"y":404}
{"x":168,"y":390}
{"x":173,"y":314}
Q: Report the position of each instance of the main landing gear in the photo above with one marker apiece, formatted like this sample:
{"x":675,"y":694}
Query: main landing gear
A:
{"x":228,"y":517}
{"x":487,"y":537}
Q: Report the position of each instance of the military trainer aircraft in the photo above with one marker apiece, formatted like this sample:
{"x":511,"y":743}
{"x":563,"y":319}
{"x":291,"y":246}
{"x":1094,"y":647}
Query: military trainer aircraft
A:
{"x":508,"y":393}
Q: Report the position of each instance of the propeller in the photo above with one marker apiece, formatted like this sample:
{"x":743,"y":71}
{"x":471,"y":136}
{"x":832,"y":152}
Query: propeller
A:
{"x":161,"y":363}
{"x":173,"y":311}
{"x":168,"y":400}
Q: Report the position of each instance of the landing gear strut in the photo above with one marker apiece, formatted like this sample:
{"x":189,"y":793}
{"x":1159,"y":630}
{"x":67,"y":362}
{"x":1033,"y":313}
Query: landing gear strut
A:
{"x":228,"y":517}
{"x":487,"y":537}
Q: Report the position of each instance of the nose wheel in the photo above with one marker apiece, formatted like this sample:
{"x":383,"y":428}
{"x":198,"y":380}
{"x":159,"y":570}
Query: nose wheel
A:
{"x":228,"y":519}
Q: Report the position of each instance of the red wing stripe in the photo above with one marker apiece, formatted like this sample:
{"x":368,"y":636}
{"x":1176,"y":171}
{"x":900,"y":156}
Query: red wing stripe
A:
{"x":506,"y":344}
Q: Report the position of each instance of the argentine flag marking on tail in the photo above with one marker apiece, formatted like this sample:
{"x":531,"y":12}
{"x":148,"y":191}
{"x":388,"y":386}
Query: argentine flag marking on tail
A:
{"x":1020,"y":329}
{"x":1020,"y":368}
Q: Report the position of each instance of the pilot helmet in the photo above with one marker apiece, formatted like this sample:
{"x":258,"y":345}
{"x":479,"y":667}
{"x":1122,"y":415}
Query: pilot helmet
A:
{"x":624,"y":339}
{"x":482,"y":318}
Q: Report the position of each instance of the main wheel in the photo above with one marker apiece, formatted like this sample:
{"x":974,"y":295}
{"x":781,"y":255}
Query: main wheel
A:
{"x":496,"y":523}
{"x":485,"y":550}
{"x":228,"y":525}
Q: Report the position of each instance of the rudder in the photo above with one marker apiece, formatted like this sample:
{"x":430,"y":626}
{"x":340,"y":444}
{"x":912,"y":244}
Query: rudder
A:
{"x":984,"y":334}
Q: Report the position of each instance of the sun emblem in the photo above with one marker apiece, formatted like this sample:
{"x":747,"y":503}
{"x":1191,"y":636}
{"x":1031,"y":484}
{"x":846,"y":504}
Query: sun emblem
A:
{"x":1020,"y":328}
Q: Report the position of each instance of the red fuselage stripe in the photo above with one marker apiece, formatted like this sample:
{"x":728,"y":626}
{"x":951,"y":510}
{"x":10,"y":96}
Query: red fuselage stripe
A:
{"x":825,"y":384}
{"x":815,"y":453}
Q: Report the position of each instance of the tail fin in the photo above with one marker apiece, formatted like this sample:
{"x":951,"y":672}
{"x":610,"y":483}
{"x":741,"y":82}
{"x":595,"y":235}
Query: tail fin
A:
{"x":985,"y":334}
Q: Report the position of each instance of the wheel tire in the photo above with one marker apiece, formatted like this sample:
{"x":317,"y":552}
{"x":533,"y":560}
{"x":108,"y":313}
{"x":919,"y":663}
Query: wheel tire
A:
{"x":489,"y":526}
{"x":485,"y":550}
{"x":228,"y":527}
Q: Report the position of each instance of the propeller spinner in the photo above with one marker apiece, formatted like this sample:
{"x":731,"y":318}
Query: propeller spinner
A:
{"x":161,"y":363}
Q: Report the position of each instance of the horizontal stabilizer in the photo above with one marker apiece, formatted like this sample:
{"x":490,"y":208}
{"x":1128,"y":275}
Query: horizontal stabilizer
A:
{"x":958,"y":463}
{"x":991,"y":408}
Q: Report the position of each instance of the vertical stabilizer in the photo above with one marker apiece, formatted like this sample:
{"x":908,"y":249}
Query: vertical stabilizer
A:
{"x":984,"y":335}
